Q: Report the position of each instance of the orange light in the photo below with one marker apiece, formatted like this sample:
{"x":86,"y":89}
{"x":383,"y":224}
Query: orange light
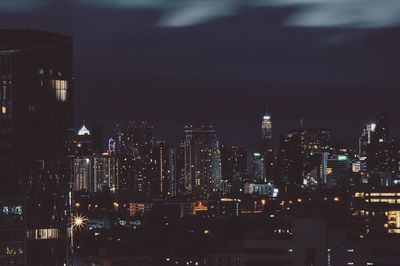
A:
{"x":336,"y":199}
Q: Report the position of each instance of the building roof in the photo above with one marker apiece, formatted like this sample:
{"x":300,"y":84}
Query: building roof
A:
{"x":25,"y":39}
{"x":83,"y":131}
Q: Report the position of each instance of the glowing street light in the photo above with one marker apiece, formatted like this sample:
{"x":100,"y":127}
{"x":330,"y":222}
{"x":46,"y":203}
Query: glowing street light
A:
{"x":78,"y":221}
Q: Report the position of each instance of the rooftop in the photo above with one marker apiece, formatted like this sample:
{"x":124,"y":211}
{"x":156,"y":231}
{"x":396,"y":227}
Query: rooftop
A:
{"x":21,"y":39}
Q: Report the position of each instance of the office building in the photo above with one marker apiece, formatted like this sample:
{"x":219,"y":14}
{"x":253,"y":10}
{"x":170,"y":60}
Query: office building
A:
{"x":300,"y":153}
{"x":36,"y":77}
{"x":202,"y":162}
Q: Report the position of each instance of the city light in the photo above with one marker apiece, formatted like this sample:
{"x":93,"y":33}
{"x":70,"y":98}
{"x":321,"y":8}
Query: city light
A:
{"x":336,"y":199}
{"x":258,"y":187}
{"x":78,"y":221}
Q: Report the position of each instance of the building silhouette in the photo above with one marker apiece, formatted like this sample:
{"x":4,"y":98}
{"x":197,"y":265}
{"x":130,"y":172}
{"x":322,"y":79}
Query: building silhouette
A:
{"x":36,"y":77}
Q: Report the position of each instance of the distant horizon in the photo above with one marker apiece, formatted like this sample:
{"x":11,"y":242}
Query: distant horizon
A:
{"x":173,"y":139}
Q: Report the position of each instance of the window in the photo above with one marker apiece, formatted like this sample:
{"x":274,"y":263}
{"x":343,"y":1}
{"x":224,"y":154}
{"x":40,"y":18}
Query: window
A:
{"x":61,"y":89}
{"x":51,"y":233}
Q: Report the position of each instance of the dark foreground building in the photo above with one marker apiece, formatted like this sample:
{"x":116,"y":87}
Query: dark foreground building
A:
{"x":36,"y":113}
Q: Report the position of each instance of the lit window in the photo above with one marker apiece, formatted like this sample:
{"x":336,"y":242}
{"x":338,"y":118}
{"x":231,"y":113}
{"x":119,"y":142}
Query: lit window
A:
{"x":3,"y":109}
{"x":50,"y":233}
{"x":61,"y":89}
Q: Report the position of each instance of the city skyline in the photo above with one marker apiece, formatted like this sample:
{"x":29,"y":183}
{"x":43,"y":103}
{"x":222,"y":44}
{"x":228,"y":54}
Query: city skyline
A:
{"x":177,"y":132}
{"x":199,"y":132}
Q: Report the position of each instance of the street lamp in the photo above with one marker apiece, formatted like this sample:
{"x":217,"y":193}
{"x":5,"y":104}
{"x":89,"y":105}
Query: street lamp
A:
{"x":77,"y":223}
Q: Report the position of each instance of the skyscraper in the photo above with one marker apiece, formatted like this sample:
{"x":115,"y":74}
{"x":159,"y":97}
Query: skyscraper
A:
{"x":202,"y":162}
{"x":300,"y":153}
{"x":142,"y":161}
{"x":379,"y":155}
{"x":266,"y":148}
{"x":266,"y":133}
{"x":363,"y":143}
{"x":83,"y":161}
{"x":159,"y":170}
{"x":233,"y":168}
{"x":36,"y":102}
{"x":36,"y":113}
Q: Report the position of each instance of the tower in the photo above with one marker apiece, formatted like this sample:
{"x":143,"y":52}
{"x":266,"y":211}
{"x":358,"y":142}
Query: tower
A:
{"x":36,"y":76}
{"x":266,"y":133}
{"x":202,"y":162}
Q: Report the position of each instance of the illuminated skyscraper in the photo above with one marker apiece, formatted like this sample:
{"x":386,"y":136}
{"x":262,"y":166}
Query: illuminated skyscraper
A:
{"x":266,"y":148}
{"x":159,"y":177}
{"x":105,"y":172}
{"x":202,"y":162}
{"x":83,"y":161}
{"x":176,"y":170}
{"x":259,"y":168}
{"x":266,"y":133}
{"x":378,"y":153}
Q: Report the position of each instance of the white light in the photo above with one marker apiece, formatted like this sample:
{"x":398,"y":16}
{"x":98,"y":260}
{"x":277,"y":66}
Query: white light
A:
{"x":83,"y":131}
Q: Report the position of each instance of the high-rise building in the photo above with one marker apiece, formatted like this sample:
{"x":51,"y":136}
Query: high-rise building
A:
{"x":259,"y":168}
{"x":266,"y":148}
{"x":176,"y":169}
{"x":36,"y":76}
{"x":266,"y":133}
{"x":338,"y":171}
{"x":105,"y":175}
{"x":159,"y":170}
{"x":36,"y":101}
{"x":142,"y":161}
{"x":364,"y":141}
{"x":83,"y":160}
{"x":379,"y":155}
{"x":202,"y":162}
{"x":172,"y":172}
{"x":133,"y":147}
{"x":300,"y":153}
{"x":233,"y":168}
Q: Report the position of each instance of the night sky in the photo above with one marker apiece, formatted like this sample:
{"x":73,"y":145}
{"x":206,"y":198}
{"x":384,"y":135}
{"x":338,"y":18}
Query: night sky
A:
{"x":333,"y":63}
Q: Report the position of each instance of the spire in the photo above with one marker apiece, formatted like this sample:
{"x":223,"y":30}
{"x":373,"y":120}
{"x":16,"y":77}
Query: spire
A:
{"x":83,"y":131}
